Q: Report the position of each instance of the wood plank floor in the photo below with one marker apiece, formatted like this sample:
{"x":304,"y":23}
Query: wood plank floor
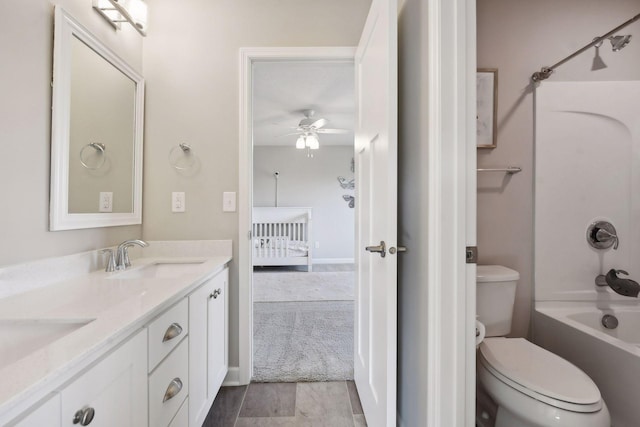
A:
{"x":319,"y":404}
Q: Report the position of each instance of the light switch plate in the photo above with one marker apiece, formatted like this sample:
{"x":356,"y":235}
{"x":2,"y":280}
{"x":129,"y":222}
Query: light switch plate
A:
{"x":178,"y":201}
{"x":229,"y":201}
{"x":105,"y":204}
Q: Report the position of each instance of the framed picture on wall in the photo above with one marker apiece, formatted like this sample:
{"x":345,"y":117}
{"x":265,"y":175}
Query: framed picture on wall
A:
{"x":487,"y":104}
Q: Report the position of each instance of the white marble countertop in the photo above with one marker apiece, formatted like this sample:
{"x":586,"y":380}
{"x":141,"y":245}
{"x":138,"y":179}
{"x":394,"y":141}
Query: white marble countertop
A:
{"x":117,"y":308}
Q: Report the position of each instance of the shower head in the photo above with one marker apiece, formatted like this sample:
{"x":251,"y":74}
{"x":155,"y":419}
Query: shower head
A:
{"x":618,"y":42}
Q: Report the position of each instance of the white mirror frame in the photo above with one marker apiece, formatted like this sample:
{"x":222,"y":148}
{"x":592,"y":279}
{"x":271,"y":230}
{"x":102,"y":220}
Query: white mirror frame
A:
{"x":59,"y":217}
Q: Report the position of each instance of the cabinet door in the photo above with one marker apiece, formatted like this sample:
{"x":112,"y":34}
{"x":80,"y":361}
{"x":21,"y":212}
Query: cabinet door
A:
{"x":207,"y":345}
{"x":115,"y":388}
{"x":218,"y":335}
{"x":198,"y":312}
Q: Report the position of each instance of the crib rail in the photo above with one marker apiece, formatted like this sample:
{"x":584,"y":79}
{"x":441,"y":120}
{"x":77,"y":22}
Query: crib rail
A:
{"x":282,"y":236}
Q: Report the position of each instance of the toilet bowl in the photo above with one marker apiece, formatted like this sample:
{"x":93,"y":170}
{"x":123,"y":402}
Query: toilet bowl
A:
{"x":519,"y":383}
{"x":534,"y":387}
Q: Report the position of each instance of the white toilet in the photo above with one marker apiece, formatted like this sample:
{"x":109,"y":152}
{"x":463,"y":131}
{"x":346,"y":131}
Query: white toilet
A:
{"x":519,"y":383}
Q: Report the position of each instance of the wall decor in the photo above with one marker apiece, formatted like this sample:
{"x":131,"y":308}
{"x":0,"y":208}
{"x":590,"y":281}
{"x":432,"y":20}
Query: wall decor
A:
{"x":487,"y":107}
{"x":350,"y":199}
{"x":347,"y":184}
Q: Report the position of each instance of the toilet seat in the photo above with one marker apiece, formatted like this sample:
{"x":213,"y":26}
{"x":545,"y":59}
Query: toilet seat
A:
{"x":540,"y":374}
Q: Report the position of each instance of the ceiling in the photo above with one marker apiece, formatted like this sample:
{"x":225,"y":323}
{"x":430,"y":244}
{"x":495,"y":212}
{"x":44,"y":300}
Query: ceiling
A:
{"x":283,"y":90}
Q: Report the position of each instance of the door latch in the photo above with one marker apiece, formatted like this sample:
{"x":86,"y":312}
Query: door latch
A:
{"x":381,"y":249}
{"x":472,"y":254}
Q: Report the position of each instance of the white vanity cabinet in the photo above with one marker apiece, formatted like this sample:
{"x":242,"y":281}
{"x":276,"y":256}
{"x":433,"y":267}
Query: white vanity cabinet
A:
{"x":166,"y":374}
{"x":111,"y":393}
{"x":208,"y":344}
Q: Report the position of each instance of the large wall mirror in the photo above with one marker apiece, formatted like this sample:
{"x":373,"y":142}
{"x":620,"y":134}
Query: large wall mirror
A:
{"x":97,"y":122}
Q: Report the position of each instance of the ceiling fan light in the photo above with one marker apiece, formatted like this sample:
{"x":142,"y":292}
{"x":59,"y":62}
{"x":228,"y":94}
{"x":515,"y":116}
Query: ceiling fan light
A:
{"x":312,"y":142}
{"x":300,"y":144}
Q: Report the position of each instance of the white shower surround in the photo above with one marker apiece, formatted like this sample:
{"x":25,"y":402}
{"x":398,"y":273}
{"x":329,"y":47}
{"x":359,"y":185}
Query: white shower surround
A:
{"x":587,"y":160}
{"x":588,"y":168}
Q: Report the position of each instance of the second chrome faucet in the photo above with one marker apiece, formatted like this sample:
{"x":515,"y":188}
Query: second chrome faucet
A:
{"x":122,"y":253}
{"x":120,"y":260}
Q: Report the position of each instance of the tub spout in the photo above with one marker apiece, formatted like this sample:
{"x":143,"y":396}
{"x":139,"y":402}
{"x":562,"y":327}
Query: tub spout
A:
{"x":626,"y":287}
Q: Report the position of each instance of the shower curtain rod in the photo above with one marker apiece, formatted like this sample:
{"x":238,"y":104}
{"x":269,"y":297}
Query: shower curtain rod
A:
{"x":545,"y":72}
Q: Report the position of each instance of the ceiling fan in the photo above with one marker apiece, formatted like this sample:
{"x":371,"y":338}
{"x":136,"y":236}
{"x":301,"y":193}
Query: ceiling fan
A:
{"x":309,"y":128}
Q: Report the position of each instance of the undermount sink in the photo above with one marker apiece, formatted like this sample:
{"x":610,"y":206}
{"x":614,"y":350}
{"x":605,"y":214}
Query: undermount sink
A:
{"x":159,"y":270}
{"x":21,"y":337}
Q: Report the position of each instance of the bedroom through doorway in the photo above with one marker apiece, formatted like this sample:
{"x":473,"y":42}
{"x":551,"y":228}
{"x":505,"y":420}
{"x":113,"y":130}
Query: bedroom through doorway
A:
{"x":303,"y":222}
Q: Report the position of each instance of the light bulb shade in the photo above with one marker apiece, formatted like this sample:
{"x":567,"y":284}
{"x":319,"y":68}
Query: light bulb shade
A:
{"x":137,"y":10}
{"x":312,"y":142}
{"x":300,"y":143}
{"x":117,"y":11}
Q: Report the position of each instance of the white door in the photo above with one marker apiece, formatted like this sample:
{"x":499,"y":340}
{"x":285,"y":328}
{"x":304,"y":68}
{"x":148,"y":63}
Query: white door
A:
{"x":376,"y":156}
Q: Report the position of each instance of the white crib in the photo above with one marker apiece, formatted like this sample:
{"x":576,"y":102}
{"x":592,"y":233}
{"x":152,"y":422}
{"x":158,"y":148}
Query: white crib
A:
{"x":282,"y":236}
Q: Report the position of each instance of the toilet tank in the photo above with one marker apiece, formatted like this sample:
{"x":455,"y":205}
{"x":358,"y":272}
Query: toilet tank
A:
{"x":496,"y":294}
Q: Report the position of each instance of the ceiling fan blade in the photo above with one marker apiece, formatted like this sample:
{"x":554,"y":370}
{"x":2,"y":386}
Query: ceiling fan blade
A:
{"x":288,"y":134}
{"x":336,"y":131}
{"x":319,"y":123}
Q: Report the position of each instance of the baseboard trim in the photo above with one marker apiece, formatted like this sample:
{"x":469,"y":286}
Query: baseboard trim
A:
{"x":333,"y":260}
{"x":233,"y":377}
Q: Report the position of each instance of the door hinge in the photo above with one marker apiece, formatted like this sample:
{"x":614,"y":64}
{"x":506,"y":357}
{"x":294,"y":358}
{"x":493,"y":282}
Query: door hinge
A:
{"x":472,"y":254}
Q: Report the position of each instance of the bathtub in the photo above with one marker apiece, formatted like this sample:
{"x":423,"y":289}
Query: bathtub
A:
{"x":611,"y":357}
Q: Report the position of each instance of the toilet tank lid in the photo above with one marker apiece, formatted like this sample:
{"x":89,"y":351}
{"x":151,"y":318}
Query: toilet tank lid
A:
{"x":495,"y":273}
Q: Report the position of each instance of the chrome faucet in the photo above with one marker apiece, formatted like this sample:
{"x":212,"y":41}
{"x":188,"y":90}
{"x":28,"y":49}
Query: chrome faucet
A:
{"x":122,"y":253}
{"x":625,"y":287}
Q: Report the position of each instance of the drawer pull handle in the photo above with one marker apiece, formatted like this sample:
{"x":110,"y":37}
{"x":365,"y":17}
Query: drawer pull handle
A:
{"x":174,"y":388}
{"x":84,"y":416}
{"x":172,"y":331}
{"x":215,"y":293}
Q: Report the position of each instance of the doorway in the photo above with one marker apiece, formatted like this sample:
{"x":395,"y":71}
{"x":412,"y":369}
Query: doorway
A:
{"x":266,"y":194}
{"x":303,"y":220}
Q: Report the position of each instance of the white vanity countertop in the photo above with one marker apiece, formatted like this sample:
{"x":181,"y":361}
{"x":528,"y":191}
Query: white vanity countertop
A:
{"x":119,"y":306}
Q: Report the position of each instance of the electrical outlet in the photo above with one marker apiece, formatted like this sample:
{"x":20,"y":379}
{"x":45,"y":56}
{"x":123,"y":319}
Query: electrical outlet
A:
{"x":105,"y":204}
{"x":178,"y":201}
{"x":229,"y":201}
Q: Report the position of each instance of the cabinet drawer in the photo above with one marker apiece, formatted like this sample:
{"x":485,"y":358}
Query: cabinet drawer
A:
{"x":182,"y":417}
{"x":166,"y":331}
{"x":46,"y":414}
{"x":169,"y":386}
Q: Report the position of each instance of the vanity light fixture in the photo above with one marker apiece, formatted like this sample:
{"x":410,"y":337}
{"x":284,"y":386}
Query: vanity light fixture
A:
{"x":118,"y":11}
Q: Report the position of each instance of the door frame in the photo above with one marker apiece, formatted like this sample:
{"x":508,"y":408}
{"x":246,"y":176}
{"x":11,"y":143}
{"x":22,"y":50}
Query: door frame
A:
{"x":249,"y":56}
{"x":451,"y":227}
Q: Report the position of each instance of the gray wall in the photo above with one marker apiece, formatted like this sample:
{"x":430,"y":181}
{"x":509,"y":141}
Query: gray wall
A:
{"x":26,"y":45}
{"x":310,"y":182}
{"x":191,"y":62}
{"x":518,"y":38}
{"x":412,"y":213}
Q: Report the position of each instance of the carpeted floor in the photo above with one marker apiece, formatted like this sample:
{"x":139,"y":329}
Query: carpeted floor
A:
{"x":303,"y":326}
{"x":297,"y":286}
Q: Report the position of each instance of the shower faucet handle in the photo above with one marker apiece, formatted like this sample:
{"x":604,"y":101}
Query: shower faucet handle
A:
{"x":602,"y":235}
